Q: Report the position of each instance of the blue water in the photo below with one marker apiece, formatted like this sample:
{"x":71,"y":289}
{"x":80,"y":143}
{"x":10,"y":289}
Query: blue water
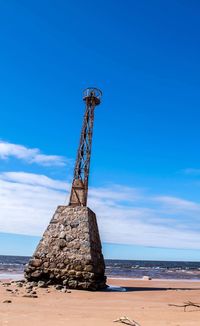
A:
{"x":13,"y":266}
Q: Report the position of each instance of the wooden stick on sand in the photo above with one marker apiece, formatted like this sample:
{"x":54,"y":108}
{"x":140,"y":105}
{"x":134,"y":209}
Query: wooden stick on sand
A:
{"x":185,"y":305}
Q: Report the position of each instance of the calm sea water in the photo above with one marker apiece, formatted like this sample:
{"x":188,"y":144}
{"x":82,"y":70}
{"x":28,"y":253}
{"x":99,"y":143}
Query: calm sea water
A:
{"x":13,"y":266}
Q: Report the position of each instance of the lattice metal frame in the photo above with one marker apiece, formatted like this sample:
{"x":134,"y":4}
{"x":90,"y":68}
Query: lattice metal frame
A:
{"x":79,"y":191}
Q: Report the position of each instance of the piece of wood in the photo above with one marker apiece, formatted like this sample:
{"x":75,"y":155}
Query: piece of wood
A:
{"x":127,"y":321}
{"x":185,"y":305}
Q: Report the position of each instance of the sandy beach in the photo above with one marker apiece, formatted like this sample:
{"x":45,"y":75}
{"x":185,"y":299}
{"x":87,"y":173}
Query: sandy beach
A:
{"x":144,"y":301}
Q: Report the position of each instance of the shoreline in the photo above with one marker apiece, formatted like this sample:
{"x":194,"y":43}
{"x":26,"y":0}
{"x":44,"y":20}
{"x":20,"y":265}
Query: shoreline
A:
{"x":19,"y":276}
{"x":154,"y":279}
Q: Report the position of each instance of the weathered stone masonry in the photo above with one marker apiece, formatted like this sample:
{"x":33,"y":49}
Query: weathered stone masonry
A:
{"x":69,"y":252}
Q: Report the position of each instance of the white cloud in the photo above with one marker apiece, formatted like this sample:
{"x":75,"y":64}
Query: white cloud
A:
{"x":125,"y":215}
{"x":29,"y":155}
{"x":26,"y":208}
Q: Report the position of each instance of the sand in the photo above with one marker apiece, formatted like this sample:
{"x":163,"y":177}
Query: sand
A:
{"x":144,"y":301}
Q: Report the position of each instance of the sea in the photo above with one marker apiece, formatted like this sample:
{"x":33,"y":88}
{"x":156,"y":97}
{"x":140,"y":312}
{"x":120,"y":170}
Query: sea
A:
{"x":13,"y":266}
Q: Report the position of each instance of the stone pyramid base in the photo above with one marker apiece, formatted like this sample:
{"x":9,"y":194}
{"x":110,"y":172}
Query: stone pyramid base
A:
{"x":69,"y":252}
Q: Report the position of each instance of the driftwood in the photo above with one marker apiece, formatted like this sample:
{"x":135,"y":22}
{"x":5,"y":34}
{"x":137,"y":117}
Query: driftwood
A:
{"x":127,"y":321}
{"x":185,"y":305}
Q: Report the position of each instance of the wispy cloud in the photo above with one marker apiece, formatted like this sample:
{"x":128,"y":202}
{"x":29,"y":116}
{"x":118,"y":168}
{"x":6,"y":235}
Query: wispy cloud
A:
{"x":178,"y":203}
{"x":29,"y":155}
{"x":116,"y":193}
{"x":33,"y":179}
{"x":125,"y":215}
{"x":191,"y":171}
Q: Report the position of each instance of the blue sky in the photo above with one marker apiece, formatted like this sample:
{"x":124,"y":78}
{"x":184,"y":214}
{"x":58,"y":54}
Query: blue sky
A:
{"x":145,"y":168}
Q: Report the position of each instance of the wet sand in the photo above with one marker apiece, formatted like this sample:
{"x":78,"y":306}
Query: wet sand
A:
{"x":144,"y":301}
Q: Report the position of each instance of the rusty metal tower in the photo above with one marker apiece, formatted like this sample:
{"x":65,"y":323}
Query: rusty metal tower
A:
{"x":79,"y":191}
